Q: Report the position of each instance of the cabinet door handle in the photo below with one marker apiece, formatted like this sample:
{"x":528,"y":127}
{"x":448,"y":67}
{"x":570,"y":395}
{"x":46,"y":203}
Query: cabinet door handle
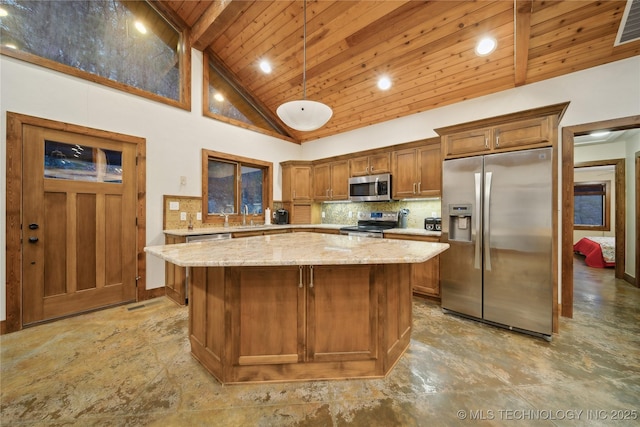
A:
{"x":366,"y":170}
{"x":332,"y":193}
{"x":497,"y":140}
{"x":419,"y":184}
{"x":371,"y":169}
{"x":300,"y":285}
{"x":311,"y":276}
{"x":414,"y":188}
{"x":486,"y":142}
{"x":294,"y":194}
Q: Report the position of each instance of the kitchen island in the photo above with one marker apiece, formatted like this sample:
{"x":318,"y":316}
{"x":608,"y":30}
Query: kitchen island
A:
{"x":299,"y":306}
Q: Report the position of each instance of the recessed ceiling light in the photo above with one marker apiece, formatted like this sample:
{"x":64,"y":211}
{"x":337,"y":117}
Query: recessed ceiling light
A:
{"x":3,"y":12}
{"x":265,"y":66}
{"x":140,"y":27}
{"x":218,"y":97}
{"x":384,"y":83}
{"x":486,"y":45}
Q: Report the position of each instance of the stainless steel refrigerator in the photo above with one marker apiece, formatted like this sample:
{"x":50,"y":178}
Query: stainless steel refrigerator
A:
{"x":497,"y":219}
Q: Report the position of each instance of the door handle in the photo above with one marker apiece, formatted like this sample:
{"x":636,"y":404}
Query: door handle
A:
{"x":477,"y":252}
{"x":487,"y":221}
{"x":311,"y":276}
{"x":33,"y":239}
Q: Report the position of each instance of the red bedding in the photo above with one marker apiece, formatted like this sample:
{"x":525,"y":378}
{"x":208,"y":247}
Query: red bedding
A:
{"x":593,"y":253}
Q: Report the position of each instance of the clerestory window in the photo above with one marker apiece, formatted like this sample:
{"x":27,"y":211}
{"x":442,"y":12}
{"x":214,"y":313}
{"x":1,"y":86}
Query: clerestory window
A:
{"x":127,"y":45}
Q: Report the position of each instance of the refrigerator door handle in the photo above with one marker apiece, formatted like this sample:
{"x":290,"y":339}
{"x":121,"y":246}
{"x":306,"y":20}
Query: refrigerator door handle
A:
{"x":478,"y":251}
{"x":487,"y":221}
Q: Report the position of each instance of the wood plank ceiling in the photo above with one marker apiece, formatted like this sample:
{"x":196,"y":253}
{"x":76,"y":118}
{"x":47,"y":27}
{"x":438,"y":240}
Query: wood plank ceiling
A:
{"x":425,"y":47}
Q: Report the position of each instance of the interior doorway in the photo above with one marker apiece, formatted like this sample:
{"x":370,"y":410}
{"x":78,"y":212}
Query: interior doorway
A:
{"x":567,"y":214}
{"x":75,"y":238}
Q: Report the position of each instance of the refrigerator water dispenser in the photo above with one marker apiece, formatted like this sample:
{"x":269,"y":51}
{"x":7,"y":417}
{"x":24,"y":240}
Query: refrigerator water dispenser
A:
{"x":460,"y":222}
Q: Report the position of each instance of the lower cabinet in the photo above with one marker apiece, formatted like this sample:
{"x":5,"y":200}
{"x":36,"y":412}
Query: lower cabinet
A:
{"x":425,"y":277}
{"x":253,"y":324}
{"x":175,"y":277}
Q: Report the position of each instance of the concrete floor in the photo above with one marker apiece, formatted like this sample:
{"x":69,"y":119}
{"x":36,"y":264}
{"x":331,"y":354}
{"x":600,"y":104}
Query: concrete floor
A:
{"x":131,"y":365}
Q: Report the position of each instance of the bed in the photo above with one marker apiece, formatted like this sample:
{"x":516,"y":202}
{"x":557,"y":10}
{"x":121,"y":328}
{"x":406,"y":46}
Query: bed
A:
{"x":599,"y":252}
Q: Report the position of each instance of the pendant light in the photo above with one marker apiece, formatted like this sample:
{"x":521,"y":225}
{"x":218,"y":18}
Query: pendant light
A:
{"x":304,"y":115}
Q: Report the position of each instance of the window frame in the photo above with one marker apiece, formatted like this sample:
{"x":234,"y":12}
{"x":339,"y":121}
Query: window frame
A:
{"x":236,"y":217}
{"x":209,"y":58}
{"x":184,"y":59}
{"x":606,"y":226}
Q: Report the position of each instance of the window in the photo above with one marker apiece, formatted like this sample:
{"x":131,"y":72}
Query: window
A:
{"x":225,"y":101}
{"x":116,"y":43}
{"x":592,"y":205}
{"x":235,"y":187}
{"x":81,"y":163}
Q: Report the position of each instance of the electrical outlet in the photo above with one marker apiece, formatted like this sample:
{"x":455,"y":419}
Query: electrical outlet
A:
{"x":350,"y":214}
{"x":174,"y":206}
{"x":183,"y":180}
{"x":199,"y":216}
{"x":322,"y":214}
{"x":183,"y":216}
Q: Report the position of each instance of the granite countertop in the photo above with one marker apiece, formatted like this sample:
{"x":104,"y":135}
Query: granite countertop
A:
{"x":238,"y":229}
{"x":302,"y":248}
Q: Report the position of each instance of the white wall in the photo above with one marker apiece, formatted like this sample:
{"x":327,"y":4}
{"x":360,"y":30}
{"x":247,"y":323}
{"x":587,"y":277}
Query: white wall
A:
{"x":175,"y":137}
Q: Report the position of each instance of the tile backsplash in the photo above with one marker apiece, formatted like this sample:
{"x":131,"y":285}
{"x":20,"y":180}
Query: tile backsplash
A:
{"x":347,"y":212}
{"x":334,"y":213}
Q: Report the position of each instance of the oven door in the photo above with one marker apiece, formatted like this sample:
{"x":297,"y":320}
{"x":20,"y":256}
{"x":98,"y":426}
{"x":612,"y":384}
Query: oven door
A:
{"x":360,"y":233}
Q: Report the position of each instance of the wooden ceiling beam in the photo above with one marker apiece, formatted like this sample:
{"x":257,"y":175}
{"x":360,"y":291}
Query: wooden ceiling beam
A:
{"x":522,"y":33}
{"x":211,"y":23}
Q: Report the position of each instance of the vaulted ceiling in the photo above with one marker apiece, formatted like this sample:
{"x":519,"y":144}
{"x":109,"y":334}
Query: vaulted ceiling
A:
{"x":425,"y":47}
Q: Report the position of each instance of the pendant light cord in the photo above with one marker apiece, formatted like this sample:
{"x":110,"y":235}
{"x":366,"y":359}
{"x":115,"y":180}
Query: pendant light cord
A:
{"x":304,"y":52}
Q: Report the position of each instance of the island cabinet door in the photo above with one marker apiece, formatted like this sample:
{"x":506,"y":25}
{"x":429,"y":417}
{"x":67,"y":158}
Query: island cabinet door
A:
{"x":267,"y":324}
{"x":342,"y":314}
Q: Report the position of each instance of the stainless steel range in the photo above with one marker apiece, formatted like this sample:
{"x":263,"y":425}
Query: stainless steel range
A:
{"x":372,"y":224}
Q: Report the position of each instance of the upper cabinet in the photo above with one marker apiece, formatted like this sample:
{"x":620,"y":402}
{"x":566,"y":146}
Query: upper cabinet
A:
{"x":331,"y":181}
{"x":296,"y":181}
{"x":416,"y":172}
{"x":528,"y":129}
{"x":370,"y":165}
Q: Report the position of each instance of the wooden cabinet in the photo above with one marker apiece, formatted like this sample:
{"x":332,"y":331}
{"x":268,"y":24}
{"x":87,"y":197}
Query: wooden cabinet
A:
{"x":299,"y":212}
{"x":252,"y":324}
{"x":296,"y":181}
{"x":417,"y":172}
{"x":331,"y":181}
{"x":518,"y":131}
{"x":370,"y":165}
{"x":175,"y":277}
{"x":425,"y":277}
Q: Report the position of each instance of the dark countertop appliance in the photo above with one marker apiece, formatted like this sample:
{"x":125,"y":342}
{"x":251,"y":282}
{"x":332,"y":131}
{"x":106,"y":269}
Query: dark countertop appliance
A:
{"x":433,"y":224}
{"x":282,"y":217}
{"x":372,"y":224}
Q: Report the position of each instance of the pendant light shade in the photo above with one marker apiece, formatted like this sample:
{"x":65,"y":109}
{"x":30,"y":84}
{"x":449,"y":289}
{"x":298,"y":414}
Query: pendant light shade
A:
{"x":304,"y":115}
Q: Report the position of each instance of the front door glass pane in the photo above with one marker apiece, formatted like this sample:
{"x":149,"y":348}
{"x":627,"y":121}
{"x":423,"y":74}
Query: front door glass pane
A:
{"x":81,"y":163}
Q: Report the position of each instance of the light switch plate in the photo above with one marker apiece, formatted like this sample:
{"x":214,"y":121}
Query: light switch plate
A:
{"x":183,"y":216}
{"x":174,"y":206}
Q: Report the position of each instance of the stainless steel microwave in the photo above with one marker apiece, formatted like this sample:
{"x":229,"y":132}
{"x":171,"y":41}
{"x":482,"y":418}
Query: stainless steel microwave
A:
{"x":370,"y":188}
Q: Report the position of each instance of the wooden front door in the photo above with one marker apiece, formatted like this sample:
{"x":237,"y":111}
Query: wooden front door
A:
{"x":78,"y":223}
